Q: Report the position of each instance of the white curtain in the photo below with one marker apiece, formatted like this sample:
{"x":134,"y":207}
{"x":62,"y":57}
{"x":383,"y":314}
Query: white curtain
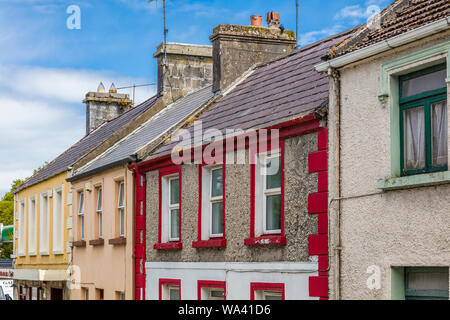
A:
{"x":440,"y":133}
{"x":415,"y":139}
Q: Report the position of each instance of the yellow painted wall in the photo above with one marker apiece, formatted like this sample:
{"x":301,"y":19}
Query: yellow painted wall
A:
{"x":50,"y":261}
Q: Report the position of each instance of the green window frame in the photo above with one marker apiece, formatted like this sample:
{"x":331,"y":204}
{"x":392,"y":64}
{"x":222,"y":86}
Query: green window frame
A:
{"x":425,"y":99}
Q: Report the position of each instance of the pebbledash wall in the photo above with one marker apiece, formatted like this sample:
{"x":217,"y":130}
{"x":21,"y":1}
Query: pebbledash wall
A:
{"x":295,"y":264}
{"x":390,"y":229}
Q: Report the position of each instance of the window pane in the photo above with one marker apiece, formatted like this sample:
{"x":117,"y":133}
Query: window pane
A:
{"x":174,"y":223}
{"x":100,"y":225}
{"x":273,"y":296}
{"x":440,"y":134}
{"x":174,"y":294}
{"x":217,"y":183}
{"x":217,"y":218}
{"x":121,"y":222}
{"x":217,"y":294}
{"x":273,"y":212}
{"x":99,"y":199}
{"x":428,"y":82}
{"x":81,"y":203}
{"x":414,"y":135}
{"x":174,"y":191}
{"x":121,"y":195}
{"x":427,"y":281}
{"x":273,"y":177}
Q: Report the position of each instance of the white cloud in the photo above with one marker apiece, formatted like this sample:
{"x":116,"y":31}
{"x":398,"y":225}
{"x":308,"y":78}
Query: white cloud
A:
{"x":313,"y":36}
{"x":357,"y":13}
{"x":42,"y":114}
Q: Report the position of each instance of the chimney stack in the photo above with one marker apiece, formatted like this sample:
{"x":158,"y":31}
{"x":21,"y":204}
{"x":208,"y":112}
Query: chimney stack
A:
{"x":237,"y":48}
{"x":102,"y":106}
{"x":188,"y":68}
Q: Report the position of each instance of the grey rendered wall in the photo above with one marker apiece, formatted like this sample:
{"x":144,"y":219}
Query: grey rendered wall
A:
{"x":298,"y":223}
{"x":381,"y":229}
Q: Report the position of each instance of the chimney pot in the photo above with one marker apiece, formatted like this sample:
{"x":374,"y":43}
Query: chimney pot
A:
{"x":112,"y":89}
{"x":273,"y":19}
{"x":101,"y":88}
{"x":256,"y":20}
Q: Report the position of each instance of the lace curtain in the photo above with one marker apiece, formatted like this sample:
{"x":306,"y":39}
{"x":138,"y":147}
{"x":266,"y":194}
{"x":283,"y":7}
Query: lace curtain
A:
{"x":440,"y":134}
{"x":415,"y":139}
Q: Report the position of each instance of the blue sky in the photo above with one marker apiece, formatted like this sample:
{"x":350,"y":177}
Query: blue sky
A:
{"x":46,"y":69}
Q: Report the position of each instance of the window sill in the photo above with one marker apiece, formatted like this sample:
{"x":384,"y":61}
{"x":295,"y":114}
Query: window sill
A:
{"x":81,"y":243}
{"x":118,"y":241}
{"x":266,"y":241}
{"x":212,"y":243}
{"x":44,"y":253}
{"x":168,"y":246}
{"x":415,"y":181}
{"x":97,"y":242}
{"x":58,"y":253}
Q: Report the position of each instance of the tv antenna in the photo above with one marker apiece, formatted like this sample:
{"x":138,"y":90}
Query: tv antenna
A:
{"x":165,"y":32}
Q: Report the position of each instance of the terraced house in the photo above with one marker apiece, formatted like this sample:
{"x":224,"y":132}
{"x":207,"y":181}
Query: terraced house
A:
{"x":389,"y":153}
{"x":104,"y":188}
{"x":43,"y":214}
{"x":219,"y":225}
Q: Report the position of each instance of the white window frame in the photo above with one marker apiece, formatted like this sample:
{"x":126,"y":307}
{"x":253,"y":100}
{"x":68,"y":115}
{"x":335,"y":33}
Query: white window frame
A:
{"x":22,"y":229}
{"x":173,"y":207}
{"x":121,"y":208}
{"x":99,"y":211}
{"x":44,"y":223}
{"x":32,"y":227}
{"x":261,"y":192}
{"x":208,"y":200}
{"x":81,"y":214}
{"x":167,"y":207}
{"x":58,"y":221}
{"x":172,"y":287}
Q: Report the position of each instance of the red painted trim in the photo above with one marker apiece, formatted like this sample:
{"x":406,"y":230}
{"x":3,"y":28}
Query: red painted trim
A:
{"x":168,"y":246}
{"x":169,"y":282}
{"x":266,"y":241}
{"x":211,"y":284}
{"x":200,"y":189}
{"x":318,"y":204}
{"x":296,"y":127}
{"x":162,"y":173}
{"x":258,"y":286}
{"x":140,"y":242}
{"x":213,"y":243}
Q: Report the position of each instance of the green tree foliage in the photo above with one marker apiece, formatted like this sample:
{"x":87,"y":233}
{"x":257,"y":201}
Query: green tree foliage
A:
{"x":7,"y":217}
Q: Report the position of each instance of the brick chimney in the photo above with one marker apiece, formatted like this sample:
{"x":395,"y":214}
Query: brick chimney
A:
{"x":237,"y":48}
{"x":102,"y":106}
{"x":189,"y":68}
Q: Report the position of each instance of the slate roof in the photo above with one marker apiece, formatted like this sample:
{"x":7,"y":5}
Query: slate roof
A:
{"x":401,"y":16}
{"x":275,"y":92}
{"x":166,"y":119}
{"x":87,"y":144}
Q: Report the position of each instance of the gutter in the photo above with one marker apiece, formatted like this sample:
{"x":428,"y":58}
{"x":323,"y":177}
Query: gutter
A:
{"x":385,"y":45}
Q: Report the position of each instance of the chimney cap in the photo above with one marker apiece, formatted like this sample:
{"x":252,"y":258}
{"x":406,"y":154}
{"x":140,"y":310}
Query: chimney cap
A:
{"x":113,"y":88}
{"x":101,"y":88}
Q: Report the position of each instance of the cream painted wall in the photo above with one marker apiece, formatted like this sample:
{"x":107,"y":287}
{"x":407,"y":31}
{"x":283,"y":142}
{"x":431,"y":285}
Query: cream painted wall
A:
{"x":108,"y":267}
{"x":382,"y":229}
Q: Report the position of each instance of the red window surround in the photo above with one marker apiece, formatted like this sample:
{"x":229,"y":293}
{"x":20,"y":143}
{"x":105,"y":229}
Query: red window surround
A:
{"x":168,"y":245}
{"x":258,"y":286}
{"x":265,"y":239}
{"x":213,"y":242}
{"x":211,"y":284}
{"x":169,"y":282}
